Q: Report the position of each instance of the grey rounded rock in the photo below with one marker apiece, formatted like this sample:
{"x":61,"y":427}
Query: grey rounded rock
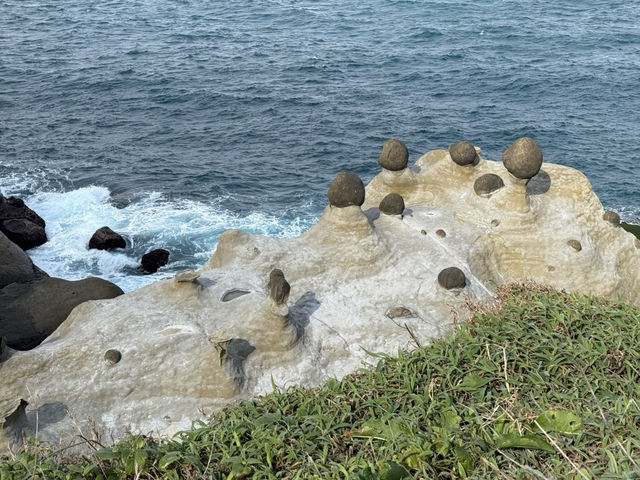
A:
{"x":394,"y":156}
{"x":186,"y":276}
{"x":487,"y":183}
{"x":347,"y":189}
{"x":400,"y":312}
{"x":495,"y":222}
{"x":15,"y":264}
{"x":523,"y":159}
{"x":452,"y":277}
{"x":20,"y":224}
{"x":392,"y":204}
{"x":153,"y":260}
{"x":423,"y":232}
{"x":441,"y":233}
{"x":462,"y":153}
{"x":612,"y":217}
{"x":575,"y":244}
{"x":112,"y":356}
{"x":278,"y":287}
{"x":106,"y":239}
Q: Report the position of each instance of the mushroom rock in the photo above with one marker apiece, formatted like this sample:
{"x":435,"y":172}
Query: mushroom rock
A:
{"x":392,"y":204}
{"x":20,"y":224}
{"x":612,"y":217}
{"x":106,"y":239}
{"x":488,"y":183}
{"x":394,"y":156}
{"x":346,"y":190}
{"x":344,"y":273}
{"x":462,"y":153}
{"x":278,"y":287}
{"x":153,"y":260}
{"x":452,"y":277}
{"x":523,"y":158}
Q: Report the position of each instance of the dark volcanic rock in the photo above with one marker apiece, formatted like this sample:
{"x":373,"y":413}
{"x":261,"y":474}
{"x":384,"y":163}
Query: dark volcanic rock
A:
{"x":462,"y":153}
{"x":278,"y":287}
{"x":30,"y":312}
{"x":394,"y":156}
{"x":112,"y":356}
{"x":20,"y":224}
{"x":452,"y":277}
{"x":523,"y":159}
{"x":392,"y":204}
{"x":106,"y":239}
{"x":347,"y":189}
{"x":15,"y":265}
{"x":487,"y":183}
{"x":154,"y":259}
{"x":3,"y":346}
{"x":612,"y":217}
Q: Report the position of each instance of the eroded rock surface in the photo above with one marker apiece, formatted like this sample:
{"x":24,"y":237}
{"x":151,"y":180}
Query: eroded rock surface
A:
{"x":359,"y":281}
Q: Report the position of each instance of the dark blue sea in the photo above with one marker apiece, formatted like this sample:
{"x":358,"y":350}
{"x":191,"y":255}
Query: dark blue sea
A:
{"x":174,"y":120}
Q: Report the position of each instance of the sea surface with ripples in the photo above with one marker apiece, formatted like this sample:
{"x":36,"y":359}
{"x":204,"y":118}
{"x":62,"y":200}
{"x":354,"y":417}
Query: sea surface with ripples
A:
{"x":174,"y":120}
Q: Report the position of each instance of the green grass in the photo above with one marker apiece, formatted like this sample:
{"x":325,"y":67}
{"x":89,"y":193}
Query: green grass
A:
{"x":542,"y":385}
{"x":635,"y":229}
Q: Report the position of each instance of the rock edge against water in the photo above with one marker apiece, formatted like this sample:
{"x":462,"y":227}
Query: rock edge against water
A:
{"x":306,"y":309}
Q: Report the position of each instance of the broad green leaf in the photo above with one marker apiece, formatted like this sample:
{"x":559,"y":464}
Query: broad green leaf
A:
{"x":557,"y":421}
{"x":472,"y":382}
{"x":106,"y":454}
{"x":394,"y":472}
{"x":533,"y":442}
{"x":167,"y":459}
{"x":450,"y":420}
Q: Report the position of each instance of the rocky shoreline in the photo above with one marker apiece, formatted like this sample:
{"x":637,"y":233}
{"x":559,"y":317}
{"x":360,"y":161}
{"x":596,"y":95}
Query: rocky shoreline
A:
{"x":389,"y":264}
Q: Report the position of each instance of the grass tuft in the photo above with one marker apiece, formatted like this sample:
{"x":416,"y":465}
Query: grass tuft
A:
{"x":543,"y":384}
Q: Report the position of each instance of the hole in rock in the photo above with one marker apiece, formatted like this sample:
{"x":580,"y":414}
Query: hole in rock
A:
{"x":233,"y":294}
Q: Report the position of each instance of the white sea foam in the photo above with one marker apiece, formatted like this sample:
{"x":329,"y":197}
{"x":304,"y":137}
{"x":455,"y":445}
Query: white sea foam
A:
{"x":189,"y":230}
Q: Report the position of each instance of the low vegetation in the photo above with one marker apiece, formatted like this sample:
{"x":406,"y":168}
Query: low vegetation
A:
{"x":543,"y":384}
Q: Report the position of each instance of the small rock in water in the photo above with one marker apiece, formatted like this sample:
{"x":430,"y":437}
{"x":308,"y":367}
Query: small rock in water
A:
{"x":612,"y":217}
{"x":155,"y":259}
{"x":523,"y":159}
{"x":106,"y":239}
{"x":394,"y":156}
{"x":112,"y":356}
{"x":392,"y":204}
{"x":462,"y":153}
{"x":452,"y":277}
{"x":20,"y":224}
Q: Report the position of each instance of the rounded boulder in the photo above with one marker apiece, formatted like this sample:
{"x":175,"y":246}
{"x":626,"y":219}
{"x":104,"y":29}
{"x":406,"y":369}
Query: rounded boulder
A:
{"x":452,"y":277}
{"x":487,"y":183}
{"x":523,"y":159}
{"x":154,"y":259}
{"x":394,"y":156}
{"x":278,"y":287}
{"x":462,"y":153}
{"x":346,"y":189}
{"x":612,"y":217}
{"x":106,"y":239}
{"x":392,"y":204}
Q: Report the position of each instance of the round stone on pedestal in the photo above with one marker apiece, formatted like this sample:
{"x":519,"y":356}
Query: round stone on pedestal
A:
{"x":612,"y":217}
{"x":462,"y":153}
{"x":392,"y":204}
{"x":394,"y":156}
{"x":523,"y":159}
{"x":347,"y":189}
{"x":452,"y":277}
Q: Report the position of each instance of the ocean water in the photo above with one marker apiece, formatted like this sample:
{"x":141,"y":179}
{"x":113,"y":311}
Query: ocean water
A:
{"x":174,"y":120}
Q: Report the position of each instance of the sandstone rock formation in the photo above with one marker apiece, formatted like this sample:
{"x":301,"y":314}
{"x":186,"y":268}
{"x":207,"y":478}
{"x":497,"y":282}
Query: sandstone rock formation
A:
{"x":359,"y":281}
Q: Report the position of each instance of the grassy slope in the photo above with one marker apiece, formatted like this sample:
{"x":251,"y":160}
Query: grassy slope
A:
{"x":544,"y":385}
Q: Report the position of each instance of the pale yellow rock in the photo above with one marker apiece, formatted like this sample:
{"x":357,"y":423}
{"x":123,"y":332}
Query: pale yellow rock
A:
{"x":189,"y":348}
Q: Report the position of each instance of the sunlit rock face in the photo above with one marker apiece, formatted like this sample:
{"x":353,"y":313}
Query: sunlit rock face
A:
{"x":154,"y":360}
